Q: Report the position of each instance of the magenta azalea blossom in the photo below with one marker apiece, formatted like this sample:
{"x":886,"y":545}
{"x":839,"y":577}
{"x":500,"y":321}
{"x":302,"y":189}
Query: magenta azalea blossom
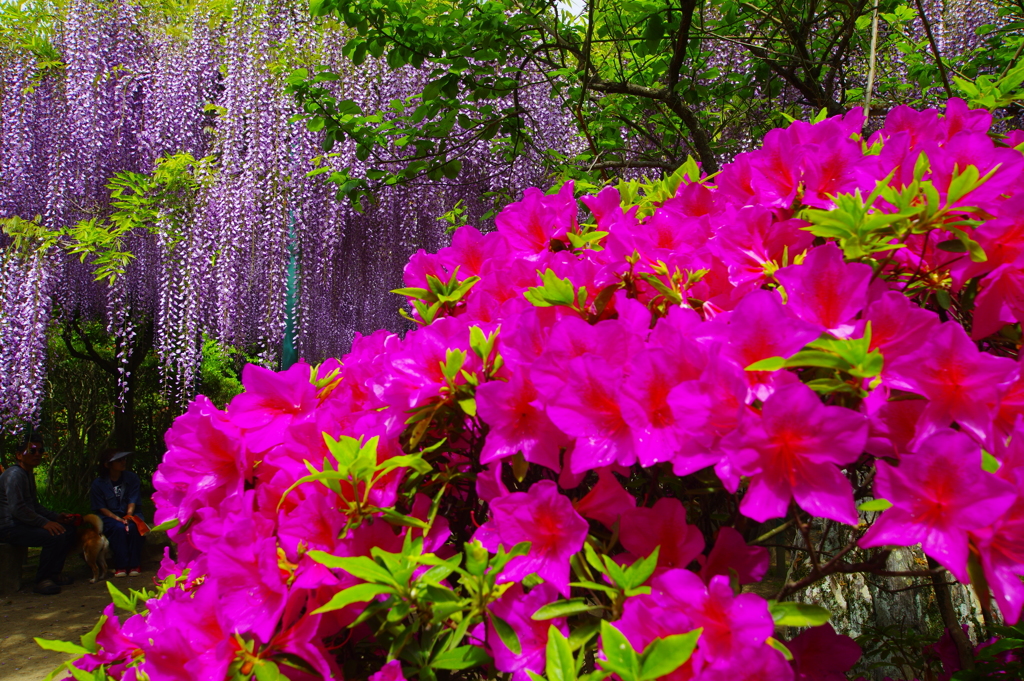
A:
{"x":518,"y":423}
{"x":759,"y":328}
{"x":1000,"y":546}
{"x":938,"y":493}
{"x":270,"y":402}
{"x":663,"y":526}
{"x":392,"y":671}
{"x":607,"y":501}
{"x":530,"y":225}
{"x":731,"y":554}
{"x":826,"y":291}
{"x":545,"y":518}
{"x":961,"y":383}
{"x":731,"y":622}
{"x":820,"y":654}
{"x":588,"y":408}
{"x":793,"y":450}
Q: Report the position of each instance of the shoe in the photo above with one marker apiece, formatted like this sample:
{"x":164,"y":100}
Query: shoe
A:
{"x":64,"y":580}
{"x":47,"y":587}
{"x":120,"y":573}
{"x":134,"y":572}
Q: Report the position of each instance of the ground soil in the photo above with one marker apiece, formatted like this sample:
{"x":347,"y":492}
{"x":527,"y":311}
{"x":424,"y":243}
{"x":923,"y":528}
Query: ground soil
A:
{"x":66,"y":616}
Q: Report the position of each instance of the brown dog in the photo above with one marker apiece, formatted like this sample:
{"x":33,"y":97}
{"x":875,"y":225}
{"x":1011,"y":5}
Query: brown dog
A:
{"x":93,"y":545}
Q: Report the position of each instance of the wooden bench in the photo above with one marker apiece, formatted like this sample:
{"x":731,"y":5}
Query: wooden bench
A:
{"x":12,"y":562}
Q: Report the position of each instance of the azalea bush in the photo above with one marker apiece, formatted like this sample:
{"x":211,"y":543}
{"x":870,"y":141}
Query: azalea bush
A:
{"x":564,"y":471}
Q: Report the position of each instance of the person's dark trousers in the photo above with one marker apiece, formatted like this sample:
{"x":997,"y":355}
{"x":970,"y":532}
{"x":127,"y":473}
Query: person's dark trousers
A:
{"x":55,"y":547}
{"x":126,"y":546}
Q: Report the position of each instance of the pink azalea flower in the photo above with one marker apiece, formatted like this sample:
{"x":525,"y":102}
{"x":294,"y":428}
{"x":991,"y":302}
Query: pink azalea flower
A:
{"x":392,"y":671}
{"x":644,"y":400}
{"x":115,"y":649}
{"x":607,"y":501}
{"x":546,"y":519}
{"x":471,"y":251}
{"x":270,"y":402}
{"x":793,"y":450}
{"x":664,"y":526}
{"x":299,"y":637}
{"x":530,"y":225}
{"x":1000,"y":302}
{"x":183,"y":637}
{"x":898,"y":327}
{"x":731,"y":623}
{"x":588,"y":408}
{"x":730,"y":554}
{"x":1000,"y":545}
{"x":825,"y":290}
{"x":939,"y":493}
{"x":759,"y":328}
{"x":752,"y":239}
{"x":961,"y":383}
{"x":251,"y":587}
{"x":518,"y":422}
{"x":516,"y":608}
{"x":749,"y":664}
{"x":204,"y":464}
{"x":820,"y":654}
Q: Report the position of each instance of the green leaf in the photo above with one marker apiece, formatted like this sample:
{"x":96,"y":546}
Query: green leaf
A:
{"x":360,"y":593}
{"x":462,"y":657}
{"x":640,"y":571}
{"x":89,"y":639}
{"x":875,"y":505}
{"x":620,"y":658}
{"x":781,"y":647}
{"x":566,"y":608}
{"x":267,"y":670}
{"x":166,"y":525}
{"x":989,"y":463}
{"x":120,"y":600}
{"x":665,"y":655}
{"x":560,"y":665}
{"x":769,"y":364}
{"x":793,"y":614}
{"x":507,"y":634}
{"x":61,"y":646}
{"x":358,"y":566}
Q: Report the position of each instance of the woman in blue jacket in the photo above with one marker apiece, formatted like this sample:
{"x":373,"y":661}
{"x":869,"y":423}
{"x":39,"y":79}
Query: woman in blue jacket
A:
{"x":115,"y":495}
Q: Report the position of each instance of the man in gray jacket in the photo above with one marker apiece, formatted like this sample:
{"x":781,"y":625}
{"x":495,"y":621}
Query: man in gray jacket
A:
{"x":26,"y":522}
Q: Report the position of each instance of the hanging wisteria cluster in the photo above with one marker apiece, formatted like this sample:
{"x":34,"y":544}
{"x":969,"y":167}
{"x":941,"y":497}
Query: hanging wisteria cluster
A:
{"x":132,"y":91}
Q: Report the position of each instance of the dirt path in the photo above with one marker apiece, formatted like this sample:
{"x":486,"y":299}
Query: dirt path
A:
{"x":64,"y":617}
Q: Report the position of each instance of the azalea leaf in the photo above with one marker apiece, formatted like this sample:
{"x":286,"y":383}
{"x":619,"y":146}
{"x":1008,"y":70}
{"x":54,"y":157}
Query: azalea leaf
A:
{"x":793,"y":614}
{"x":560,"y":665}
{"x":361,"y":567}
{"x":769,"y":364}
{"x":665,"y":655}
{"x":166,"y":525}
{"x":120,"y":600}
{"x":566,"y":608}
{"x":781,"y":647}
{"x":462,"y":657}
{"x":61,"y":646}
{"x":875,"y":505}
{"x":360,"y":593}
{"x":89,"y":639}
{"x":640,"y":571}
{"x":620,"y":657}
{"x":506,"y":633}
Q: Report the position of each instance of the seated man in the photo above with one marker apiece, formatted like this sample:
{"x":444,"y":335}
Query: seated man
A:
{"x":25,"y":522}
